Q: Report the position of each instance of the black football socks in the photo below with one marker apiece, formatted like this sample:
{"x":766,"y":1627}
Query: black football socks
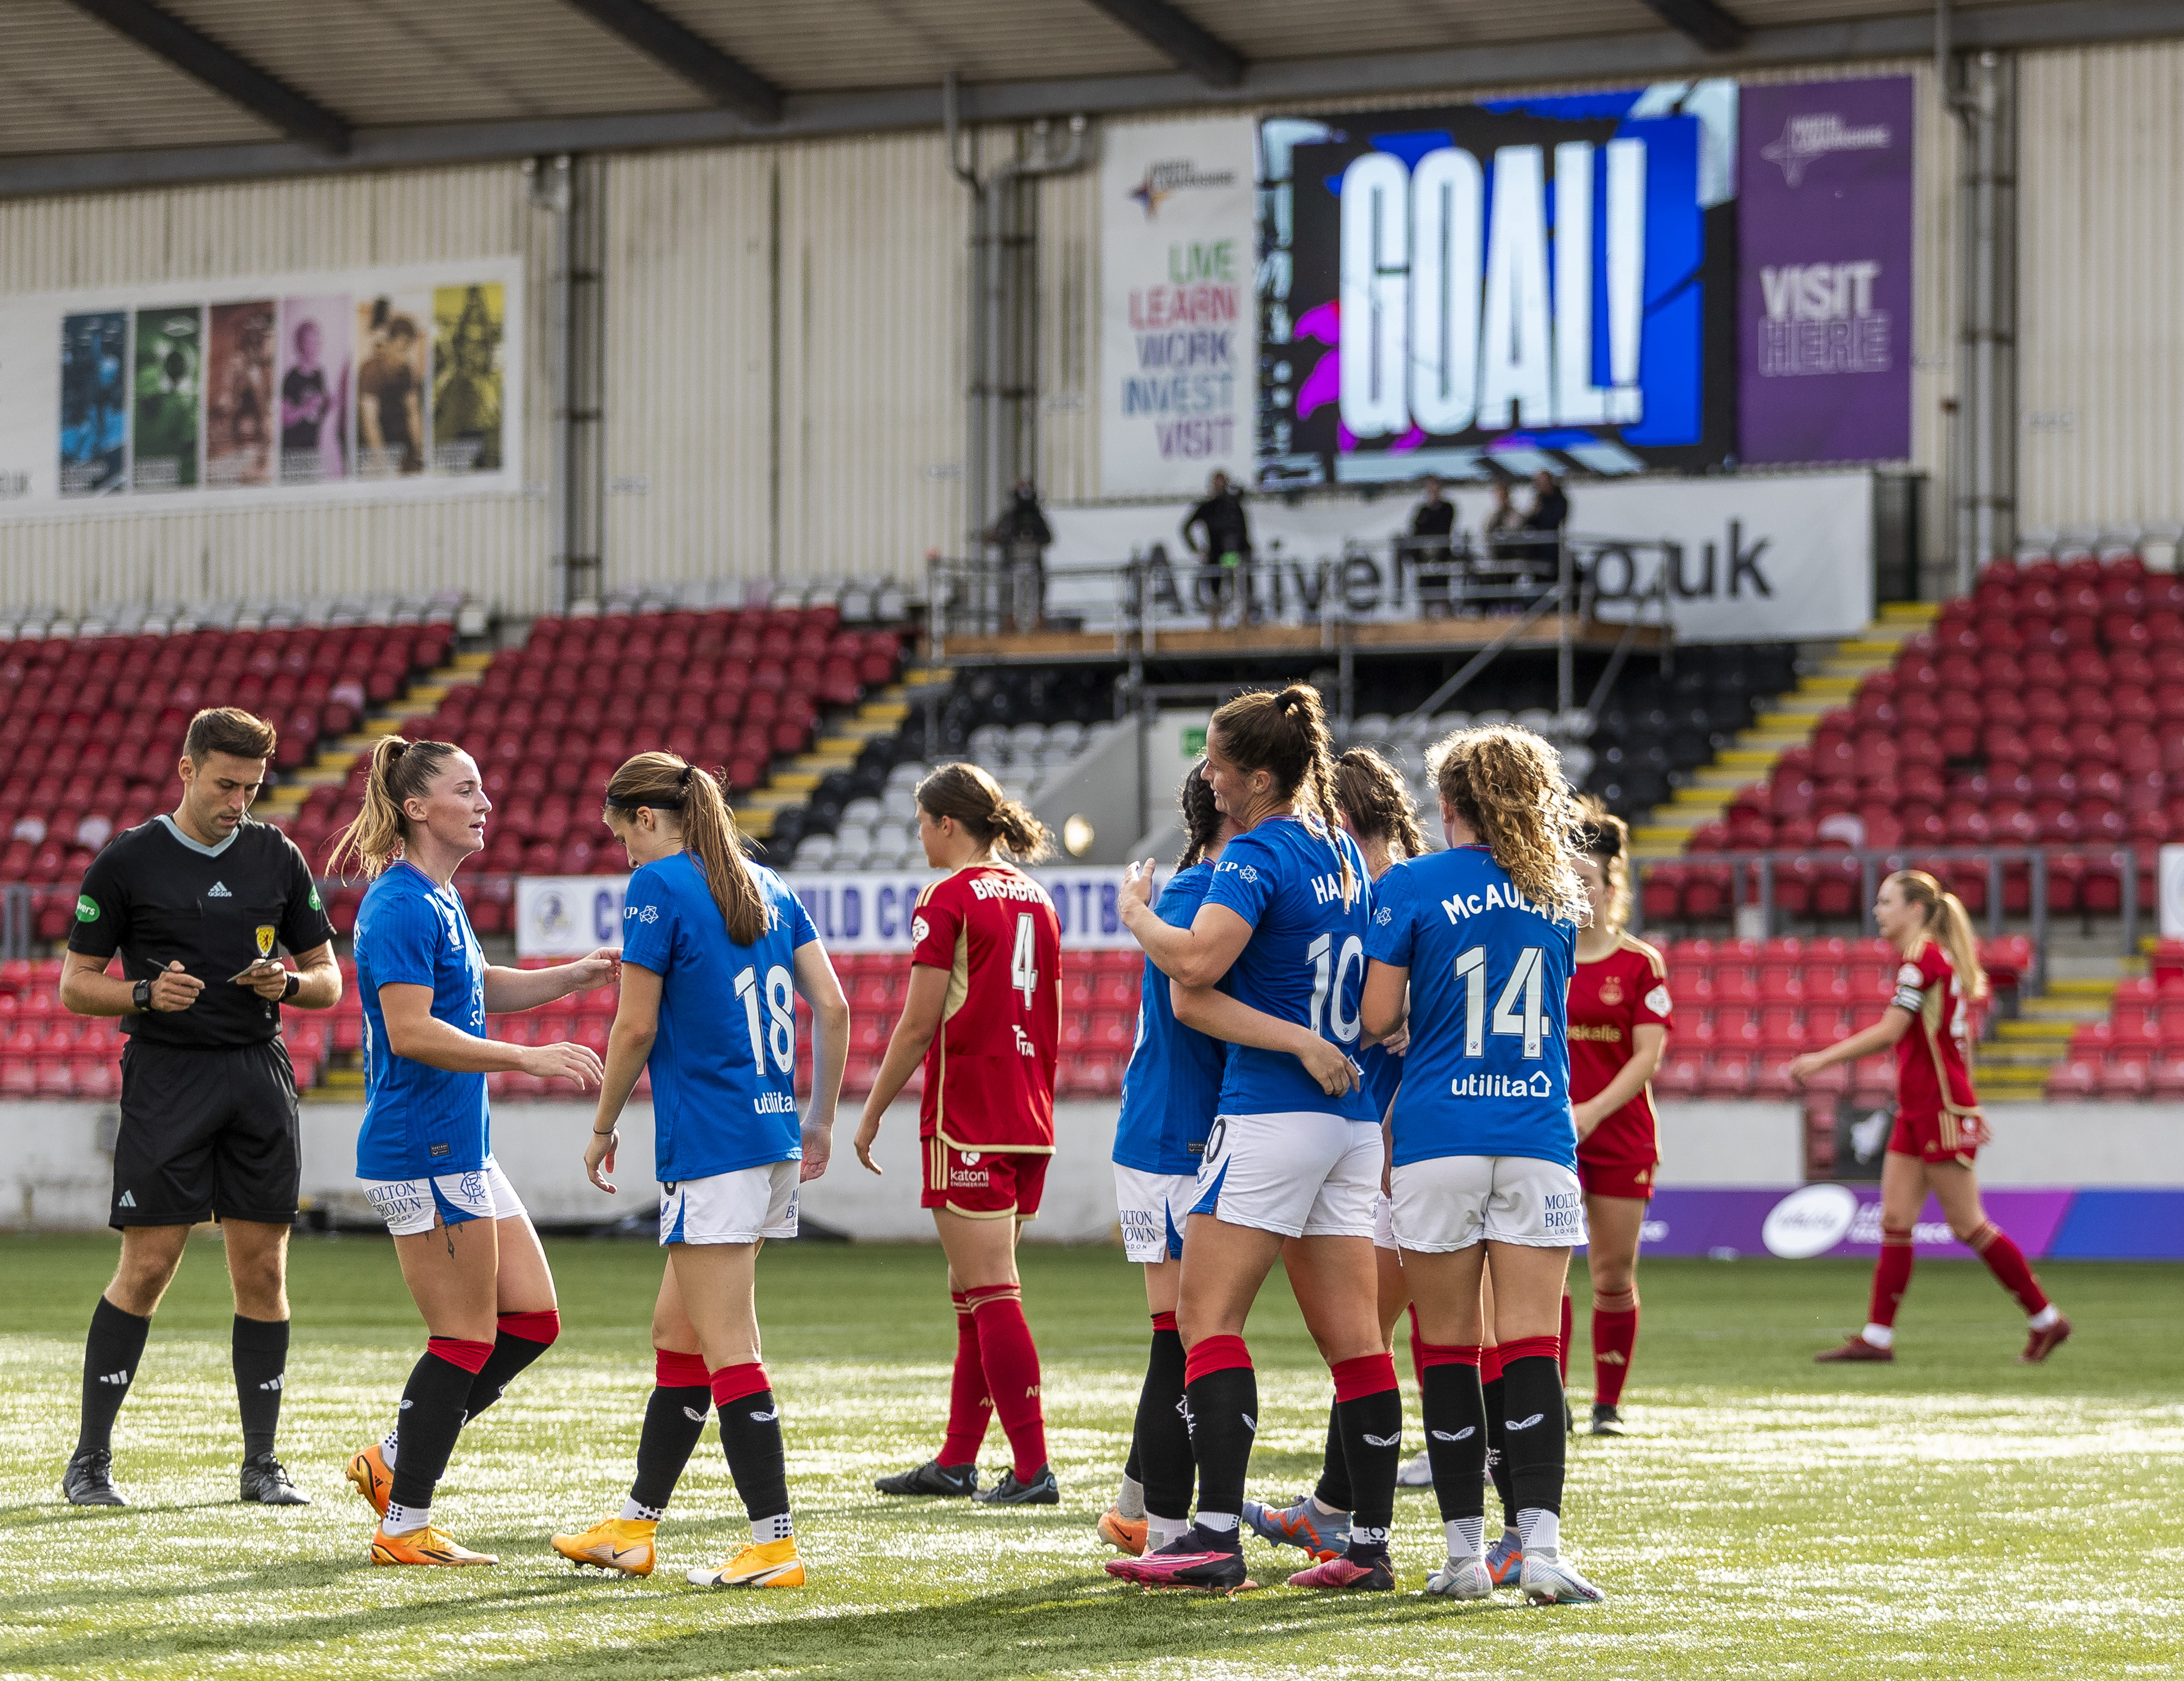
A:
{"x":111,"y":1353}
{"x":1161,"y":1439}
{"x":261,"y":1362}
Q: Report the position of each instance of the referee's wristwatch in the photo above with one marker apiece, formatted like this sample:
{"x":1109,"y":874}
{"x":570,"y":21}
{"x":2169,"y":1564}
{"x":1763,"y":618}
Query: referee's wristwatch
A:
{"x":295,"y":985}
{"x":140,"y":997}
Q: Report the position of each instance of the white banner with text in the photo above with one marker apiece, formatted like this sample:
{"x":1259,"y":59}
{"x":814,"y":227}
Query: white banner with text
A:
{"x":565,"y":916}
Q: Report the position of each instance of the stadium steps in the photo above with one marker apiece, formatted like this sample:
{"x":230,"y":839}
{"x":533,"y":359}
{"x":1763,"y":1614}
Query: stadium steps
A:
{"x":2015,"y":1065}
{"x":791,"y":784}
{"x":1789,"y":722}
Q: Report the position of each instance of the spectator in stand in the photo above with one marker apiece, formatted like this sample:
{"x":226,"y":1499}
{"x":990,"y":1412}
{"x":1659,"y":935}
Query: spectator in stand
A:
{"x":1433,"y":522}
{"x":1022,"y":535}
{"x":1226,"y":553}
{"x":1503,"y":521}
{"x":1546,"y":518}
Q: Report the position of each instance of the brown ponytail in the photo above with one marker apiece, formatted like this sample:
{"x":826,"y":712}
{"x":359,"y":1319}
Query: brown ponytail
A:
{"x":1201,"y":818}
{"x":1507,"y":784}
{"x":1949,"y":924}
{"x":1286,"y":735}
{"x":665,"y":782}
{"x":401,"y":771}
{"x":971,"y":797}
{"x":1374,"y":796}
{"x":1605,"y":838}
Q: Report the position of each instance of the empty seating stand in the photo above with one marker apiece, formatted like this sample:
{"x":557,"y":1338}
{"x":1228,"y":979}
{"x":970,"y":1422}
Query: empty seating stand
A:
{"x":2045,"y":709}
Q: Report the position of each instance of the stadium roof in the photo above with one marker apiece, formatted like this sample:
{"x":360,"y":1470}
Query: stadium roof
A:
{"x":103,"y":94}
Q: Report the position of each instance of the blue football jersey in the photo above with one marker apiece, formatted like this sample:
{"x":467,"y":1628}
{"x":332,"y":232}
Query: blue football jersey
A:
{"x":1383,"y":1073}
{"x":1304,"y":961}
{"x":724,"y":1058}
{"x":1173,"y":1086}
{"x":1487,"y":1073}
{"x":419,"y":1120}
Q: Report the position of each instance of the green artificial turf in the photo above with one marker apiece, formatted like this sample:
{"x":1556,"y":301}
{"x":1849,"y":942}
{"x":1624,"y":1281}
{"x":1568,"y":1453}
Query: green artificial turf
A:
{"x":1953,"y":1514}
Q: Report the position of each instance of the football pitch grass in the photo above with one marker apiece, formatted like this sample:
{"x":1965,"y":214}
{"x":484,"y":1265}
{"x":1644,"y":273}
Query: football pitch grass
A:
{"x":1953,"y":1514}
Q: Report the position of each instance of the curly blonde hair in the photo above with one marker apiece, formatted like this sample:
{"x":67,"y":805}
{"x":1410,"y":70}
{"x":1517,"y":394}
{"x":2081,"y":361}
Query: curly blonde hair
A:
{"x":1507,"y":784}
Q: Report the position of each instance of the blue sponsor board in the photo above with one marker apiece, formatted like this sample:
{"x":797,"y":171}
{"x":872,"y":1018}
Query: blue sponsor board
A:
{"x":1843,"y":1222}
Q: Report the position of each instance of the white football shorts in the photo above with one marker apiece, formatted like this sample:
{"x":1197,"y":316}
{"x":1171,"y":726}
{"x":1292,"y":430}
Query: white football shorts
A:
{"x":1384,"y":1222}
{"x":1303,"y":1174}
{"x":1153,"y":1208}
{"x":732,"y":1208}
{"x":1451,"y":1201}
{"x":410,"y":1206}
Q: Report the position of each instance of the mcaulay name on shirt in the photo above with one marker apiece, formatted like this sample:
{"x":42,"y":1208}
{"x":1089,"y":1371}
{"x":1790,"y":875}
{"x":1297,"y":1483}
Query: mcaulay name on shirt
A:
{"x":1463,"y":905}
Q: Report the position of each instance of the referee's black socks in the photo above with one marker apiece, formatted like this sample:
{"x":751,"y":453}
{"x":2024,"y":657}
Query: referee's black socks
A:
{"x":1532,"y":1393}
{"x":110,"y":1356}
{"x":1370,"y":1408}
{"x":261,"y":1360}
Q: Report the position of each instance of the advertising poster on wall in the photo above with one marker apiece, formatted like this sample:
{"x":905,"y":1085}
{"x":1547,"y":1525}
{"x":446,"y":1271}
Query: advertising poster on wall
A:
{"x":374,"y":383}
{"x":1177,"y":327}
{"x":469,"y":326}
{"x":240,"y":425}
{"x":94,"y":444}
{"x":314,"y":340}
{"x":1825,"y":239}
{"x":1545,"y":281}
{"x":393,"y":344}
{"x":169,"y":370}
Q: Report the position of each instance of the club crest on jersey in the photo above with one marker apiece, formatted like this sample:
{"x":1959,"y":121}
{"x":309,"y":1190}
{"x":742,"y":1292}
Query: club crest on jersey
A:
{"x":1611,"y":990}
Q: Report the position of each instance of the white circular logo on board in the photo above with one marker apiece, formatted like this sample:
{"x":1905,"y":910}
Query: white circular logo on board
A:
{"x":1809,"y":1222}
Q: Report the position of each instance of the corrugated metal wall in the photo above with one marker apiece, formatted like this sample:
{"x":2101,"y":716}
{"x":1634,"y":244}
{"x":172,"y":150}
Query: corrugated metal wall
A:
{"x":2101,"y":243}
{"x":493,"y":546}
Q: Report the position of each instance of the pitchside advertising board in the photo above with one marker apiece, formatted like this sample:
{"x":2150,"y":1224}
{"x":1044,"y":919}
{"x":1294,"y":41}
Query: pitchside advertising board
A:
{"x":263,"y":390}
{"x":1843,"y":1222}
{"x":562,"y":916}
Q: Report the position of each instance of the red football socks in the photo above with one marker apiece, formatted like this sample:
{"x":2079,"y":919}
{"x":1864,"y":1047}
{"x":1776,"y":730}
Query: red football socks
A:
{"x":969,"y":1406}
{"x":2006,"y":1262}
{"x":1892,"y":1276}
{"x":1614,"y":1335}
{"x":1012,"y":1363}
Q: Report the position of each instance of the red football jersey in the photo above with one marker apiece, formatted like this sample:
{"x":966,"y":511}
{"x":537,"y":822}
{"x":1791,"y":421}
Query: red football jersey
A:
{"x":989,"y":1073}
{"x":1933,"y":1060}
{"x":1626,"y":990}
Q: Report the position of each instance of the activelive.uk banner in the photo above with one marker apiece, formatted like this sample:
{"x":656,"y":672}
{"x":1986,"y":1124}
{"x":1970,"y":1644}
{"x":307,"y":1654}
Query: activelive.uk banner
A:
{"x":560,"y":916}
{"x":1825,"y":232}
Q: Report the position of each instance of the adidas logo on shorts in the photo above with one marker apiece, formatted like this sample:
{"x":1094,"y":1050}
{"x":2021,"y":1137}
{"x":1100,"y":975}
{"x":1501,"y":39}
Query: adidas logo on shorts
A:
{"x":128,"y":1200}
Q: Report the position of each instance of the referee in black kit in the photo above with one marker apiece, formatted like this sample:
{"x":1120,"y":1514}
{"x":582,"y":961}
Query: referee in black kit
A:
{"x":195,"y":903}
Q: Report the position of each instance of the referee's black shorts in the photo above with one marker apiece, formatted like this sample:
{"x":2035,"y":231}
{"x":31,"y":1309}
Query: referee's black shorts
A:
{"x":206,"y":1133}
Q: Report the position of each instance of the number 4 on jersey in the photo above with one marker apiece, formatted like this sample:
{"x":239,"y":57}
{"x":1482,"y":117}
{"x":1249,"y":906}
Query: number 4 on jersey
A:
{"x":1023,"y":963}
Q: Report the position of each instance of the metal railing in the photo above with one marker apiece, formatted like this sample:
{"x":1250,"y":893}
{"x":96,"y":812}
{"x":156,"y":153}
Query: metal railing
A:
{"x":1754,"y":877}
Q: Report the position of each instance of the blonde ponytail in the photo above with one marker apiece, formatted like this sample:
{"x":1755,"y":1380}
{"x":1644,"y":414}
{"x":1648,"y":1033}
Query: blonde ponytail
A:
{"x":1507,"y":784}
{"x":666,"y":782}
{"x":400,"y":771}
{"x":1949,"y":925}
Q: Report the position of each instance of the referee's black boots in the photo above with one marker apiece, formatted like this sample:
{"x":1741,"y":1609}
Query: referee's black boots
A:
{"x":89,"y":1479}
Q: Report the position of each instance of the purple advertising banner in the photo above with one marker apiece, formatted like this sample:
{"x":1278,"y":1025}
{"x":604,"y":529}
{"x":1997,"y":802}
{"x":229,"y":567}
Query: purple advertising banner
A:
{"x":1825,"y":192}
{"x":1843,"y":1222}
